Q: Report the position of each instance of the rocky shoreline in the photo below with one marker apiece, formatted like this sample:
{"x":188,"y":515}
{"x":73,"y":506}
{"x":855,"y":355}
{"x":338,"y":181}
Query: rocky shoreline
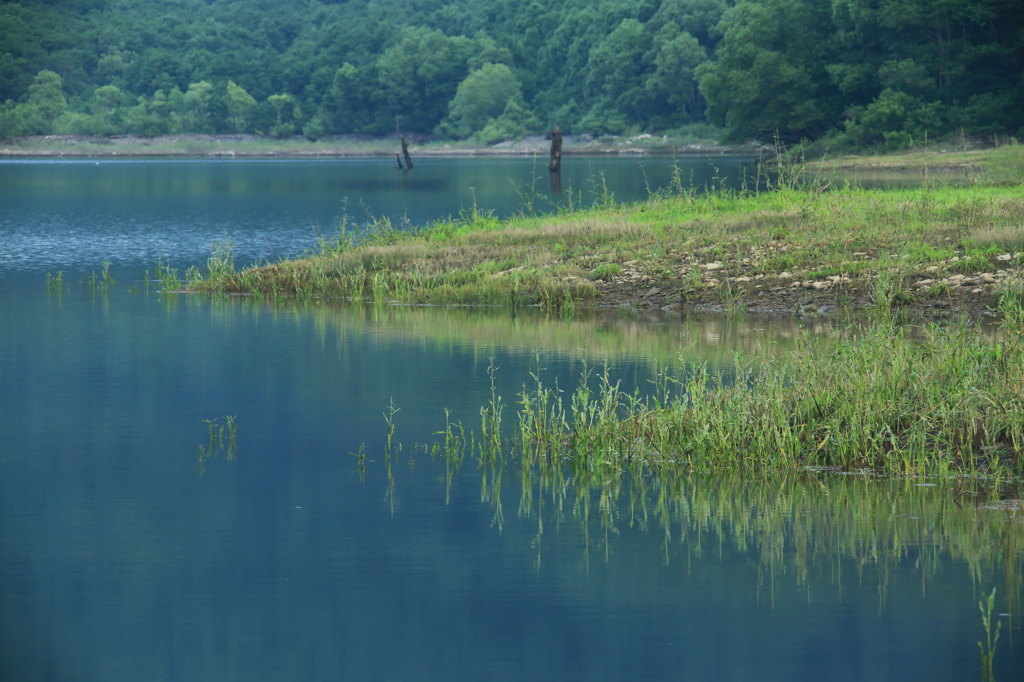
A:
{"x":975,"y":295}
{"x":340,"y":146}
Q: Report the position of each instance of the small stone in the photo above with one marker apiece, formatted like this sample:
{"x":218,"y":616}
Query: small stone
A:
{"x":932,"y":268}
{"x":923,"y":283}
{"x":742,"y":279}
{"x":988,"y":279}
{"x":712,"y":266}
{"x":653,"y":291}
{"x":1004,"y":256}
{"x":673,"y":307}
{"x":785,"y":275}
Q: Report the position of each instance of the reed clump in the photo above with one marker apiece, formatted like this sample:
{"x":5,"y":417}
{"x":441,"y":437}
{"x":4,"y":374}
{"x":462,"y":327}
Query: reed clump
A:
{"x":942,"y":401}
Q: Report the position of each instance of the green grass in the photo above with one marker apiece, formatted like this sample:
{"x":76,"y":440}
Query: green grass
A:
{"x":677,"y":242}
{"x":945,"y":403}
{"x":931,"y":401}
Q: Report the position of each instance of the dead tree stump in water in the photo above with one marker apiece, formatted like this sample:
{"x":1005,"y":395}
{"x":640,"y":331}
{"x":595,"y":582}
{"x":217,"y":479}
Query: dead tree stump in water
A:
{"x":398,"y":158}
{"x":556,"y":151}
{"x":405,"y":152}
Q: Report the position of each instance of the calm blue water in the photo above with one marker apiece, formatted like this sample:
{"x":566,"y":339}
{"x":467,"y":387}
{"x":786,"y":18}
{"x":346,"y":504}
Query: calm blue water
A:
{"x":63,"y":214}
{"x":121,"y":560}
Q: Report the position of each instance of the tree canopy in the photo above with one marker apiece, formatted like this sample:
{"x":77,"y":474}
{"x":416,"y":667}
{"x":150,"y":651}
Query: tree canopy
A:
{"x":854,"y":72}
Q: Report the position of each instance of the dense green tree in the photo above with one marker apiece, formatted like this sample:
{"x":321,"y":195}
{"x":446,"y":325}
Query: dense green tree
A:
{"x":197,"y":107}
{"x":289,"y":115}
{"x":482,"y":97}
{"x":766,"y":78}
{"x":105,"y":105}
{"x":673,"y":85}
{"x":240,"y":104}
{"x":46,"y":94}
{"x":515,"y":121}
{"x":419,"y":76}
{"x":845,"y":71}
{"x":347,"y":106}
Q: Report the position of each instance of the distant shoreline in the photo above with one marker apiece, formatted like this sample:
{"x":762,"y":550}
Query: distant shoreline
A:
{"x":353,"y":146}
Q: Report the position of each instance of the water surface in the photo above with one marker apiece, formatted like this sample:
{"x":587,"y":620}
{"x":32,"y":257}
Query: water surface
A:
{"x":70,"y":214}
{"x":125,"y":557}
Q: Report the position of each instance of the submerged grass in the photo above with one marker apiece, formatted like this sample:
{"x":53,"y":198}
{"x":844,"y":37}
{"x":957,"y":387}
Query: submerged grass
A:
{"x":216,"y":443}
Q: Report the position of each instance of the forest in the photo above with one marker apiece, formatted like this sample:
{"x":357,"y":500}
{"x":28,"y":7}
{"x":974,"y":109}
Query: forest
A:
{"x":843,"y":73}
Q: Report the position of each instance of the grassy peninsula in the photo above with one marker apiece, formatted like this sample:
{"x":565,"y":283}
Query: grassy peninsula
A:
{"x":908,"y":400}
{"x":809,"y":245}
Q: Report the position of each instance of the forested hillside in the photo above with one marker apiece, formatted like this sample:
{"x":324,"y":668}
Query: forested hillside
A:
{"x":851,"y":72}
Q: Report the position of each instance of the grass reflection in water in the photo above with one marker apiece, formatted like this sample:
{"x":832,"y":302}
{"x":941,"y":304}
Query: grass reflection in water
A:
{"x":809,"y":524}
{"x":810,"y":460}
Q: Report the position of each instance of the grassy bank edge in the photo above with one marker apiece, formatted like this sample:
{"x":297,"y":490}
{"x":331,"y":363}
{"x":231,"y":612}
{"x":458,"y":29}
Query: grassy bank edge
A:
{"x":796,"y":249}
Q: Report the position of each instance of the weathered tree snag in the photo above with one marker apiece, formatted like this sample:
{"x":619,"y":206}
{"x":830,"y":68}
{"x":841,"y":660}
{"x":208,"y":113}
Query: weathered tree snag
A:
{"x":405,"y":151}
{"x":398,"y":158}
{"x":556,"y":151}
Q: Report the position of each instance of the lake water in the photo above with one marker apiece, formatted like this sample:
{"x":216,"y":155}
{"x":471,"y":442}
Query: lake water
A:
{"x":130,"y":549}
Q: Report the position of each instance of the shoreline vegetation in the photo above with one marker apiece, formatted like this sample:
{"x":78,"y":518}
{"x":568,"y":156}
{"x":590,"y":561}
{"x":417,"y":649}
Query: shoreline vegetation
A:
{"x":891,"y":398}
